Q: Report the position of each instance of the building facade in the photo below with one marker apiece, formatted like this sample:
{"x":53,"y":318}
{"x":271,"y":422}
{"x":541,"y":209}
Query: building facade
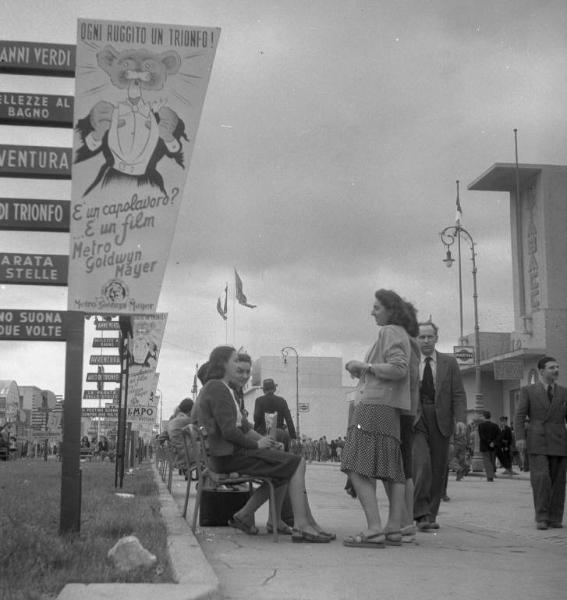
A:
{"x":538,"y":215}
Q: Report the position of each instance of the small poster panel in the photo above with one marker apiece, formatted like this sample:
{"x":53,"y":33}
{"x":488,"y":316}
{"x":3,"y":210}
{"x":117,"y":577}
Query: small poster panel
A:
{"x":142,"y":399}
{"x":144,"y":334}
{"x":139,"y":92}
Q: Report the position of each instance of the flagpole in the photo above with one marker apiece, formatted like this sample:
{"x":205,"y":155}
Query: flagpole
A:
{"x":234,"y":314}
{"x":226,"y":320}
{"x":461,"y":338}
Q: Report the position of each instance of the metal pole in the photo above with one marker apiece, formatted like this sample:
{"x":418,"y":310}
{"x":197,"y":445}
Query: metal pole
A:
{"x":70,"y":516}
{"x":297,"y":391}
{"x":478,"y":375}
{"x":461,"y":337}
{"x":160,"y":409}
{"x":284,"y":352}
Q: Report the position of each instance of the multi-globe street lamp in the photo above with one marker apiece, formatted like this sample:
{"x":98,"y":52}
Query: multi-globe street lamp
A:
{"x":285,"y":351}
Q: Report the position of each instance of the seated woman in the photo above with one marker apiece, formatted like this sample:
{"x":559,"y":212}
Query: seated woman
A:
{"x":235,"y":447}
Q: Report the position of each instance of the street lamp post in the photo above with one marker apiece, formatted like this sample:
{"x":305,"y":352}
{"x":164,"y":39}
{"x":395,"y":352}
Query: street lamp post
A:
{"x":449,"y":236}
{"x":160,"y":408}
{"x":285,"y":351}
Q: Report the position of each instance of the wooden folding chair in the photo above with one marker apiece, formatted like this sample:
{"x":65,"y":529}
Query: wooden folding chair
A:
{"x":171,"y":460}
{"x":197,"y":446}
{"x":191,"y":465}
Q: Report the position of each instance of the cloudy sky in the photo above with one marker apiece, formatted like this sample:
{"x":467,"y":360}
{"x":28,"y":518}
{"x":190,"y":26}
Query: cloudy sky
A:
{"x":324,"y":168}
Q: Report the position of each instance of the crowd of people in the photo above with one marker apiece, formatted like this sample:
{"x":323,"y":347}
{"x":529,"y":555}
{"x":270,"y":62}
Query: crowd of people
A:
{"x":406,"y":427}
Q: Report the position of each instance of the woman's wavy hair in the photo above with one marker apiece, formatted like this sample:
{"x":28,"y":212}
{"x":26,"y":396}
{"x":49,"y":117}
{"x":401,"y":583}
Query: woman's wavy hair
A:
{"x":402,"y":313}
{"x":217,"y":361}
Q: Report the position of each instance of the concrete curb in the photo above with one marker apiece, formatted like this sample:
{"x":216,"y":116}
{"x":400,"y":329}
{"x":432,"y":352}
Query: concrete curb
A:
{"x":196,"y":579}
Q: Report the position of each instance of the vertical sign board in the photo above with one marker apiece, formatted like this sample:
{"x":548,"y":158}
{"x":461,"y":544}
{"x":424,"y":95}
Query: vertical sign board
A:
{"x":139,"y":92}
{"x":55,"y":163}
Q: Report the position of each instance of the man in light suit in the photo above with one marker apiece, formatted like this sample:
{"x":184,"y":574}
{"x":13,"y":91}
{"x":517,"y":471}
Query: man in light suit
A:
{"x":545,"y":404}
{"x":442,"y":404}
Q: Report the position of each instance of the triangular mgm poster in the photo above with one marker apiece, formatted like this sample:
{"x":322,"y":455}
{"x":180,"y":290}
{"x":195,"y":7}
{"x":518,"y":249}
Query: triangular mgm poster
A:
{"x":139,"y":92}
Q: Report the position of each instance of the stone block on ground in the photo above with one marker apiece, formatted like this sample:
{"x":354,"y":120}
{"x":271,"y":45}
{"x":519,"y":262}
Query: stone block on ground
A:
{"x":128,"y":553}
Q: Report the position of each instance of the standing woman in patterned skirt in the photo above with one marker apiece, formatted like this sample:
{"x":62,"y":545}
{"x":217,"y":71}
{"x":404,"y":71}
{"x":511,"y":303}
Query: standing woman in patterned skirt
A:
{"x":372,"y":450}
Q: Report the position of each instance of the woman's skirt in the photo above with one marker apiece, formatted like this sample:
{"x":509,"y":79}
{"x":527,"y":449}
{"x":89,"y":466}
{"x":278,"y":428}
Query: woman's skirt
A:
{"x":372,"y":447}
{"x":280,"y":466}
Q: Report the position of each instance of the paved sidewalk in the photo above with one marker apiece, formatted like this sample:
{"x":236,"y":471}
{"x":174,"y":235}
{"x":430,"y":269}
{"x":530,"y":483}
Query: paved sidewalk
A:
{"x":487,"y":547}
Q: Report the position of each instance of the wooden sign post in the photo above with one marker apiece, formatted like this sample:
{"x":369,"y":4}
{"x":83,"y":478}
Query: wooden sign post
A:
{"x":70,"y":516}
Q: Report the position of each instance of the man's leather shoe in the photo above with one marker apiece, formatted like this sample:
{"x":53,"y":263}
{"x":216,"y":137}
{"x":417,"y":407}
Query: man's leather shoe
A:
{"x":542,"y":525}
{"x":423,"y":524}
{"x":434,"y":525}
{"x":556,"y":525}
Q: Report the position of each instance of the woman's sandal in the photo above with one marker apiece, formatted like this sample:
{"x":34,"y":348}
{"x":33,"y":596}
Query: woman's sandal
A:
{"x":248,"y":528}
{"x":286,"y":530}
{"x":393,"y":538}
{"x":298,"y":536}
{"x":408,"y":534}
{"x":365,"y":541}
{"x":331,"y":536}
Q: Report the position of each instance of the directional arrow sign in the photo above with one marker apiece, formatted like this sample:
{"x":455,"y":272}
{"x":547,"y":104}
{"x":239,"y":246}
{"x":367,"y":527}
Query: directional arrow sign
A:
{"x":107,"y":325}
{"x":104,"y":359}
{"x":33,"y":325}
{"x":107,"y":411}
{"x":36,"y":109}
{"x":34,"y":215}
{"x":112,"y":342}
{"x":104,"y":377}
{"x":34,"y":269}
{"x":39,"y":162}
{"x":100,"y":395}
{"x":30,"y":58}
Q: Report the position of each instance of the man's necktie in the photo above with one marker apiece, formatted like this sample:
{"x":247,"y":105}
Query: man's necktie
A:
{"x":427,"y":385}
{"x":550,"y":393}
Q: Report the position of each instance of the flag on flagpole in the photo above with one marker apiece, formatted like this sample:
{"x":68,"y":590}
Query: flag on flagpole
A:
{"x":195,"y":388}
{"x":459,"y":209}
{"x":239,"y":293}
{"x":220,"y":310}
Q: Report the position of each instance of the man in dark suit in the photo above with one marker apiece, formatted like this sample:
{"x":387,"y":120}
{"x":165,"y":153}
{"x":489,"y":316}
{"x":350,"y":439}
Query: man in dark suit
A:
{"x":545,"y":405}
{"x":442,"y":404}
{"x":504,"y":446}
{"x":488,"y":433}
{"x":269,"y":403}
